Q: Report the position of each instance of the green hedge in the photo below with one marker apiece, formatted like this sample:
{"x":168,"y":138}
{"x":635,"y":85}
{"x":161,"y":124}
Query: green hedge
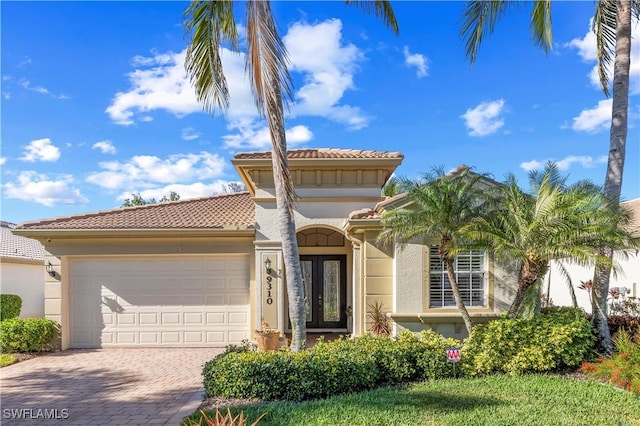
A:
{"x":560,"y":338}
{"x":10,"y":306}
{"x":287,"y":375}
{"x":27,"y":335}
{"x":337,"y":367}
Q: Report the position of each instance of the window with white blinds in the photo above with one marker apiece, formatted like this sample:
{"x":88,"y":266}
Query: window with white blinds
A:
{"x":469,"y":267}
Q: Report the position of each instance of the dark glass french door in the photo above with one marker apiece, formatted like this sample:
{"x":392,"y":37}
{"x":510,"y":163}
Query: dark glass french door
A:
{"x":325,"y":289}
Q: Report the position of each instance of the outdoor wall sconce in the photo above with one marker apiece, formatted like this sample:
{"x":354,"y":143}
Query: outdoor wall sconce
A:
{"x":49,"y":268}
{"x":267,"y":266}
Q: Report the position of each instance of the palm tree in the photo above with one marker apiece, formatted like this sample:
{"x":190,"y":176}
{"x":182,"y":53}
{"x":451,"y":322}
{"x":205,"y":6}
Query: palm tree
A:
{"x":553,"y":222}
{"x":211,"y":23}
{"x":612,"y":27}
{"x":440,"y":206}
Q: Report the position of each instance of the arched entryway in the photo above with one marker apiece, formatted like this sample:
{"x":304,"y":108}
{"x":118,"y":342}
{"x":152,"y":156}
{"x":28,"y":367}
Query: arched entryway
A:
{"x":324,"y":261}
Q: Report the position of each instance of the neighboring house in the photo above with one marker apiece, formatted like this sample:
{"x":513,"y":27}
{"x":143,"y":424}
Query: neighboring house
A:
{"x":209,"y":271}
{"x":22,"y":270}
{"x":626,"y":283}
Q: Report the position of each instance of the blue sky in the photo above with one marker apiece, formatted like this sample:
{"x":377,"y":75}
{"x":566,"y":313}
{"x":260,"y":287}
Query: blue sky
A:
{"x":96,"y":106}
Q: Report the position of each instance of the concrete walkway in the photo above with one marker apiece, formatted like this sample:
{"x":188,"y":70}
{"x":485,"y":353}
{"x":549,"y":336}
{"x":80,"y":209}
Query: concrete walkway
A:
{"x":104,"y":387}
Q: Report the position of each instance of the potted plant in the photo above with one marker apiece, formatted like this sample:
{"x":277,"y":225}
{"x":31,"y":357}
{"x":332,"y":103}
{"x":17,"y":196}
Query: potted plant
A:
{"x":267,"y":338}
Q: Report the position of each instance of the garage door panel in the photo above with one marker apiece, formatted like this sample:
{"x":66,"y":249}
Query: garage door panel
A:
{"x":238,"y":318}
{"x":196,"y":301}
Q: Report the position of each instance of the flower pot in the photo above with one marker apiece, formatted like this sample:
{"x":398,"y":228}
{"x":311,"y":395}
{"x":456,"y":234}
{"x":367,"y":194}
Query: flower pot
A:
{"x":268,"y":341}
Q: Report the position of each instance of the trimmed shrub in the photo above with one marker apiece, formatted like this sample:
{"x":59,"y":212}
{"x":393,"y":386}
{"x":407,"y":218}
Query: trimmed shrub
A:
{"x":329,"y":368}
{"x":432,"y":360}
{"x":27,"y":335}
{"x":395,"y":360}
{"x":627,"y":323}
{"x":10,"y":306}
{"x":293,"y":376}
{"x":560,"y":338}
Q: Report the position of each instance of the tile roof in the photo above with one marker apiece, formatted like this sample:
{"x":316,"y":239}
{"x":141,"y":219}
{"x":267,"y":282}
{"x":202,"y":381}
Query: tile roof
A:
{"x":366,"y":213}
{"x":633,"y":206}
{"x":323,"y":153}
{"x":17,"y":247}
{"x":214,"y":212}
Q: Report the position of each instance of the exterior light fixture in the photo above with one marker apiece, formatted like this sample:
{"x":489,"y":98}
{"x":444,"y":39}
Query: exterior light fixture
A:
{"x":267,"y":266}
{"x":49,"y":268}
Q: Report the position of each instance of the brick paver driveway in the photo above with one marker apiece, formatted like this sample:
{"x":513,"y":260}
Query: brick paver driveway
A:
{"x":104,"y":387}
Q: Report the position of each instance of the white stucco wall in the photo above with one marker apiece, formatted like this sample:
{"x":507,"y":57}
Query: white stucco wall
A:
{"x":27,"y":281}
{"x":629,"y":277}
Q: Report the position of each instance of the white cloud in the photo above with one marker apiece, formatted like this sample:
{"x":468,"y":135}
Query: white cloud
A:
{"x":189,"y":134}
{"x":3,"y":160}
{"x":148,"y":171}
{"x":39,"y":188}
{"x":185,"y":191}
{"x":328,"y":67}
{"x":251,"y":136}
{"x":163,"y":85}
{"x":160,"y":83}
{"x":485,"y":119}
{"x":26,"y":61}
{"x":316,"y":51}
{"x":595,"y":119}
{"x":26,"y":84}
{"x":532,"y":165}
{"x":587,"y":162}
{"x":586,"y":47}
{"x":41,"y":150}
{"x":106,"y":147}
{"x":417,"y":60}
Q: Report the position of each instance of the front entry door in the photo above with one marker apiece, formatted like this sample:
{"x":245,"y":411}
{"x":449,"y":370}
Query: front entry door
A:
{"x":325,"y":290}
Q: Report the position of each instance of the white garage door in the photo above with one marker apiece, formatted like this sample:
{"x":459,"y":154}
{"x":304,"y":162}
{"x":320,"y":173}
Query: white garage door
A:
{"x":158,"y":301}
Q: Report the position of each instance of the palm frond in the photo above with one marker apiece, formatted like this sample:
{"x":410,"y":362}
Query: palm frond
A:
{"x":381,"y":9}
{"x":604,"y":27}
{"x":541,"y":24}
{"x":266,"y":63}
{"x":479,"y":19}
{"x":207,"y":25}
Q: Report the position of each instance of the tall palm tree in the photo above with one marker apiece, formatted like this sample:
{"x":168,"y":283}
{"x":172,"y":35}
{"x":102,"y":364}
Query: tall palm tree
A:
{"x":553,"y":222}
{"x":211,"y":23}
{"x":612,"y":27}
{"x":441,"y":205}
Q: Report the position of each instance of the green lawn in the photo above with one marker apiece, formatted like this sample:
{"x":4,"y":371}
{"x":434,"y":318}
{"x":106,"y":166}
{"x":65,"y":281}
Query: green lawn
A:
{"x":496,"y":400}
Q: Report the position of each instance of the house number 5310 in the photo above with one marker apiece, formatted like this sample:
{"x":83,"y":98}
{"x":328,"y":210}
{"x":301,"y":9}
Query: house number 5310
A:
{"x":269,"y":288}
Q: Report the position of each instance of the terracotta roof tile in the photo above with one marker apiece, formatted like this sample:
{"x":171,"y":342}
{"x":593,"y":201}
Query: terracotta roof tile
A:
{"x":366,"y":213}
{"x":17,"y":247}
{"x":633,"y":206}
{"x":323,"y":153}
{"x":205,"y":213}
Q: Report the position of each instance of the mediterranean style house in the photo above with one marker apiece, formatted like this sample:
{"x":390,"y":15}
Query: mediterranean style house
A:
{"x":209,"y":271}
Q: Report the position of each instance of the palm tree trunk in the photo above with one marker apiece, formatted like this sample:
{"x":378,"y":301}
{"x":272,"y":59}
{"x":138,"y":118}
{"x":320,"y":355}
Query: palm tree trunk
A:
{"x":291,"y":257}
{"x":514,"y":309}
{"x":615,"y":164}
{"x":453,"y":282}
{"x":527,"y":277}
{"x":286,"y":223}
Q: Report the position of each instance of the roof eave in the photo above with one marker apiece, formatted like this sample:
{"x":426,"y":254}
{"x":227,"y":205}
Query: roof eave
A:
{"x":229,"y":231}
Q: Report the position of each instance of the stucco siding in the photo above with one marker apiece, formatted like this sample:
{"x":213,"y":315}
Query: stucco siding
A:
{"x":27,"y":281}
{"x":409,"y":278}
{"x":628,"y":277}
{"x":378,"y":277}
